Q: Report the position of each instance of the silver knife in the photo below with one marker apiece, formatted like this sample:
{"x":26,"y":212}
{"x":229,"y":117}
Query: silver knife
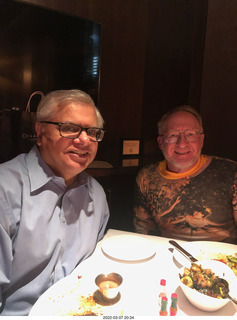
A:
{"x":183,"y":251}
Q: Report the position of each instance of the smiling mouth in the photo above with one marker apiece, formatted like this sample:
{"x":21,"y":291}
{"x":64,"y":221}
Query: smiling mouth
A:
{"x":182,"y":153}
{"x":79,"y":153}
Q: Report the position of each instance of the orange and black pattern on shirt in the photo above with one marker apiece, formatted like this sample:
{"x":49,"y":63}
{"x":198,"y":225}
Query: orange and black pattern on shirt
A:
{"x":198,"y":207}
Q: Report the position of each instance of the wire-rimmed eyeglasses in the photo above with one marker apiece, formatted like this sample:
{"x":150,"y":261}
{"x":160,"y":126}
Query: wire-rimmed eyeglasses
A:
{"x":70,"y":130}
{"x":191,"y":135}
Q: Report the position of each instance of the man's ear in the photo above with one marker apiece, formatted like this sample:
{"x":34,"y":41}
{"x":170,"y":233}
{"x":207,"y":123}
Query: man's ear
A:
{"x":38,"y":129}
{"x":159,"y":142}
{"x":203,"y":137}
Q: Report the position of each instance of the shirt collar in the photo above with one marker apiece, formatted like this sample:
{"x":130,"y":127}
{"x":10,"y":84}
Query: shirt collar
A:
{"x":172,"y":175}
{"x":40,"y":173}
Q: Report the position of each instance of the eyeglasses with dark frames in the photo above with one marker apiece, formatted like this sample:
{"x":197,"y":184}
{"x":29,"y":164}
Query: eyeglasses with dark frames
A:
{"x":70,"y":130}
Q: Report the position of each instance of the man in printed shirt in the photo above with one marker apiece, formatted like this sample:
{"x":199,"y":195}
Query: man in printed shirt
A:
{"x":188,"y":195}
{"x":52,"y":214}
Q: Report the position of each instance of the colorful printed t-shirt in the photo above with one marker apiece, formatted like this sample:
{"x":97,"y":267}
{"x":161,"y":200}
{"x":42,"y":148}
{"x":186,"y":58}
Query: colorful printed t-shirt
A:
{"x":198,"y":205}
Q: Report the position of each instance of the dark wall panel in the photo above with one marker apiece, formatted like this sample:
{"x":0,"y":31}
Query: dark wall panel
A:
{"x":219,"y":94}
{"x":122,"y":64}
{"x":160,"y":53}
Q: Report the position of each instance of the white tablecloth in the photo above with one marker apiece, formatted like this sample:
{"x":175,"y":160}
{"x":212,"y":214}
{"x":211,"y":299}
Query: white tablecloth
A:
{"x":140,"y":288}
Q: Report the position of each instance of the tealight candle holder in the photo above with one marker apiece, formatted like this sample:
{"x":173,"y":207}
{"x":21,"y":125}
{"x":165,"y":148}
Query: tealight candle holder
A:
{"x":109,"y":284}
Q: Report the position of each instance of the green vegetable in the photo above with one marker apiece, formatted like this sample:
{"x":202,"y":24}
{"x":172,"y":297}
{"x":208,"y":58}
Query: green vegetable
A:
{"x":232,"y":259}
{"x":187,"y":281}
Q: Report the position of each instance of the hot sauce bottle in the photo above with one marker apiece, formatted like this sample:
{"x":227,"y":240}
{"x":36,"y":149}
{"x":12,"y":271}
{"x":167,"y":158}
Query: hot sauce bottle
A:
{"x":173,"y":307}
{"x":163,"y":309}
{"x":162,"y":290}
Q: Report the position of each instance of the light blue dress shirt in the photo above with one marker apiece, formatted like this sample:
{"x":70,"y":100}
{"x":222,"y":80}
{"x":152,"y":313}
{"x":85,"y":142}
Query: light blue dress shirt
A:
{"x":46,"y":228}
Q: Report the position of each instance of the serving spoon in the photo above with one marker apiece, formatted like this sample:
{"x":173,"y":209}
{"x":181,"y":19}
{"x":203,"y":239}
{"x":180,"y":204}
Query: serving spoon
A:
{"x":191,"y":258}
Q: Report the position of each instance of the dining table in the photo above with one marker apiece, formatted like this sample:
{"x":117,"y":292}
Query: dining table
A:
{"x":151,"y":261}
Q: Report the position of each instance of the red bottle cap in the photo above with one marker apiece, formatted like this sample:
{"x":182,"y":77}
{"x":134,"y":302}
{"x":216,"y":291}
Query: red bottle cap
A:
{"x":162,"y":282}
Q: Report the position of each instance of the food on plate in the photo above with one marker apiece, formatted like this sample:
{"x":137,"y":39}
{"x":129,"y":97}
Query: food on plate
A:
{"x":86,"y":307}
{"x":74,"y":300}
{"x":204,"y":281}
{"x":229,"y":259}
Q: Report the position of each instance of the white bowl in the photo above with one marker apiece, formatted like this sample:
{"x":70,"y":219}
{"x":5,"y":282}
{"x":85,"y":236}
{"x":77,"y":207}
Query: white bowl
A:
{"x":202,"y":301}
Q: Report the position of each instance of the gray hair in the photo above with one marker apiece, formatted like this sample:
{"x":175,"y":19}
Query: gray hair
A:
{"x":184,"y":108}
{"x":55,"y":101}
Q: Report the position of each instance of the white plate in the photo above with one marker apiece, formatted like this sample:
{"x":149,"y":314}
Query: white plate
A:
{"x":128,"y":248}
{"x":203,"y":250}
{"x":64,"y":298}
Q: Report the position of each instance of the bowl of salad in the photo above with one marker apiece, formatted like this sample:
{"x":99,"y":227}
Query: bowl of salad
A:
{"x":203,"y":285}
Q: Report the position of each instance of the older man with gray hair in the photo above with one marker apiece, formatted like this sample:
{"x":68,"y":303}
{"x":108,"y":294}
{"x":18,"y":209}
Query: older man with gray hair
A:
{"x":188,"y":195}
{"x":52,"y":214}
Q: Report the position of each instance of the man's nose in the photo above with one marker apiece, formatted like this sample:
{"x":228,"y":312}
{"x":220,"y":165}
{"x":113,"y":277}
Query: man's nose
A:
{"x":83,"y":137}
{"x":181,"y":139}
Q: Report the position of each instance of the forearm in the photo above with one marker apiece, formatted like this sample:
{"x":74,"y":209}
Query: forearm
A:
{"x":142,"y":219}
{"x":144,"y":222}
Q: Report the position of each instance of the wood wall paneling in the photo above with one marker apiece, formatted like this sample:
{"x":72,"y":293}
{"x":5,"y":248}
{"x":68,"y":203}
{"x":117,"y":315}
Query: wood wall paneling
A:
{"x":122,"y":64}
{"x":157,"y":54}
{"x":168,"y":63}
{"x":219,"y":94}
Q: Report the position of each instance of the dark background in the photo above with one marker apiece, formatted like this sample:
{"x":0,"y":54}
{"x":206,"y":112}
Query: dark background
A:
{"x":45,"y":50}
{"x":156,"y":54}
